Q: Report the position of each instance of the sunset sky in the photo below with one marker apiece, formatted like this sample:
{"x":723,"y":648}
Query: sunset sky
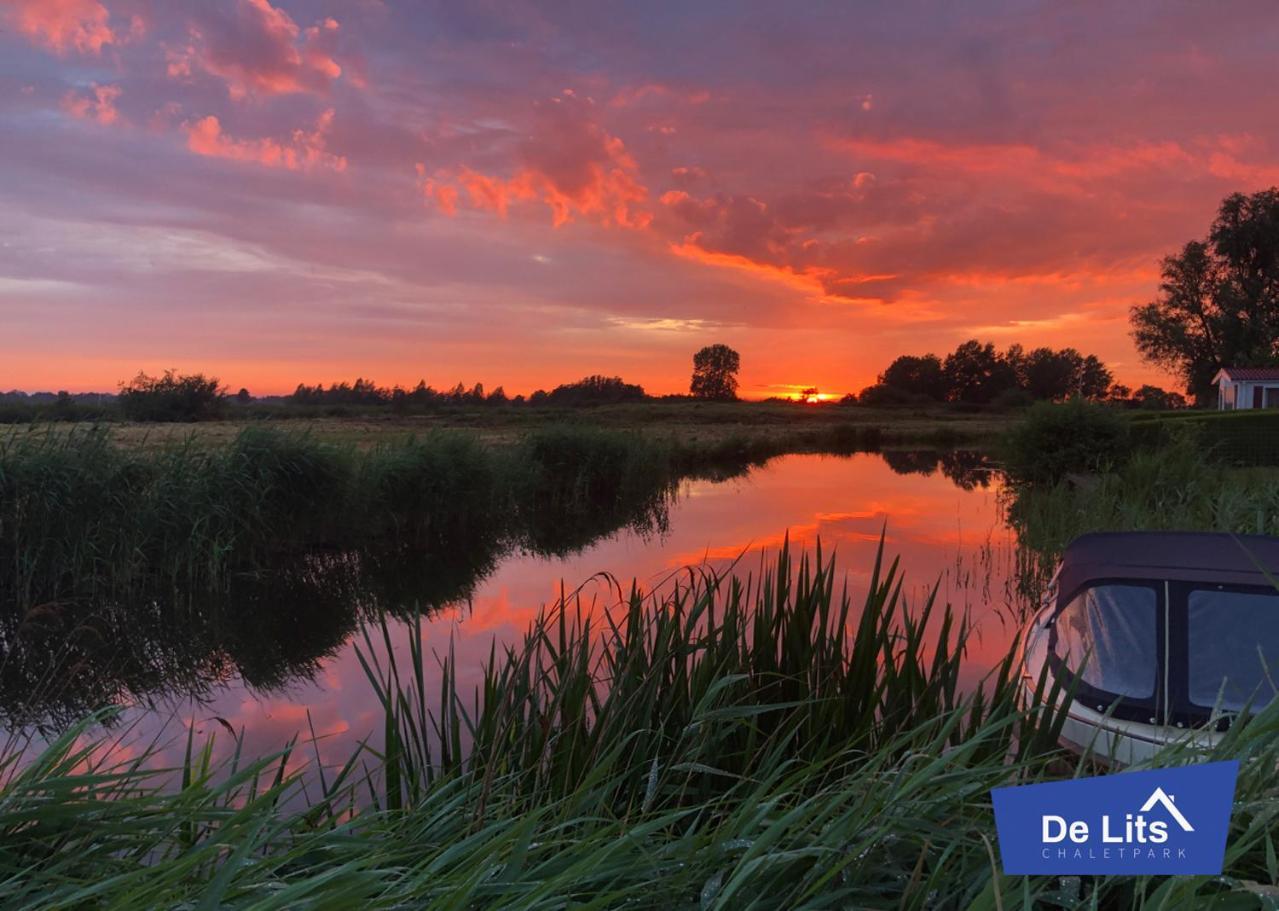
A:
{"x":525,"y":193}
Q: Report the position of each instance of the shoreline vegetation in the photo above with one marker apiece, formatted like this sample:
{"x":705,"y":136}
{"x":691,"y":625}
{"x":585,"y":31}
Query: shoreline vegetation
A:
{"x":1076,"y":468}
{"x":130,"y":571}
{"x":87,"y":506}
{"x":722,"y":744}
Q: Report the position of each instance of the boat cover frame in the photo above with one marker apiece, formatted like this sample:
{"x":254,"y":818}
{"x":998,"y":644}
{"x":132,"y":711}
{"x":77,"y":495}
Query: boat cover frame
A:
{"x":1177,"y":556}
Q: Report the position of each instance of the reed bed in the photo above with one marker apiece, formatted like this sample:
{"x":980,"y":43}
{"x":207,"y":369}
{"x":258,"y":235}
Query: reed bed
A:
{"x":80,"y":513}
{"x":722,"y":669}
{"x":80,"y":516}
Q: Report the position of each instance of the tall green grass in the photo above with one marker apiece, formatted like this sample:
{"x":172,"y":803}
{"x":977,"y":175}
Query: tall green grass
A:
{"x":726,"y":744}
{"x":723,"y":670}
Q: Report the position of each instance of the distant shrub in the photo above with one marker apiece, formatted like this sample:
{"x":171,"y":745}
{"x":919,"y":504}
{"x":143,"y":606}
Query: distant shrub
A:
{"x":886,"y":396}
{"x":1152,"y":398}
{"x":1011,"y":399}
{"x":595,"y":390}
{"x":22,"y":408}
{"x":172,"y":397}
{"x":1054,"y":440}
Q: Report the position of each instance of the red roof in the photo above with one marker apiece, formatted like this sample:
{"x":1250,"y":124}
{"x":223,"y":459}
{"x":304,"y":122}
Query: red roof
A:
{"x":1251,"y":373}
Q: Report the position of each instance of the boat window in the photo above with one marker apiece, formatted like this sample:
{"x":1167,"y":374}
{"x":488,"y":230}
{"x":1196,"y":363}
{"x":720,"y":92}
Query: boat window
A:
{"x":1114,"y":628}
{"x":1234,"y":647}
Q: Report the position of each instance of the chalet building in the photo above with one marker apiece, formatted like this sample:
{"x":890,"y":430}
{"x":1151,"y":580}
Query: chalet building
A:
{"x":1247,"y":387}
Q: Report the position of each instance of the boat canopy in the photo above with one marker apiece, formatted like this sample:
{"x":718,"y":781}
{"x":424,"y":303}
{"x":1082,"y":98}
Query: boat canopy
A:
{"x":1175,"y":556}
{"x":1167,"y":627}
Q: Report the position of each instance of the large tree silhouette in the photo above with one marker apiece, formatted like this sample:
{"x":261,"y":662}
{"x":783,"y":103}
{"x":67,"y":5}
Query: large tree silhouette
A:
{"x":1218,"y":303}
{"x":715,"y":373}
{"x":976,"y":373}
{"x":920,"y":376}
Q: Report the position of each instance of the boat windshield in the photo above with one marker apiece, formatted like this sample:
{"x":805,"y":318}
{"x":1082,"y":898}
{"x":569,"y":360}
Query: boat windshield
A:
{"x":1107,"y":636}
{"x":1233,"y":647}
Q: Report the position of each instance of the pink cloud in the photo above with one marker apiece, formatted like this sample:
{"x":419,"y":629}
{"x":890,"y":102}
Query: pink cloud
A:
{"x":1229,"y":161}
{"x":305,"y":150}
{"x":258,"y":49}
{"x":97,"y":104}
{"x":63,"y":25}
{"x":658,"y":92}
{"x":569,"y":163}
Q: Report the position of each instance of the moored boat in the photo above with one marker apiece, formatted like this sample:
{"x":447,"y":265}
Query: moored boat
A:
{"x":1160,"y":636}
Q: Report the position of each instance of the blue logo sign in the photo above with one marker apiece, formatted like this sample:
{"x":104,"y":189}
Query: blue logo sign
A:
{"x":1164,"y":821}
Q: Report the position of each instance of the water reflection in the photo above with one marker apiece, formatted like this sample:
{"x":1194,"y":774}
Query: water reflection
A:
{"x":277,"y":646}
{"x":968,"y":470}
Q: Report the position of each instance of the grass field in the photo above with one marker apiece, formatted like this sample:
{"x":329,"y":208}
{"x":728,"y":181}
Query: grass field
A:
{"x":691,"y":423}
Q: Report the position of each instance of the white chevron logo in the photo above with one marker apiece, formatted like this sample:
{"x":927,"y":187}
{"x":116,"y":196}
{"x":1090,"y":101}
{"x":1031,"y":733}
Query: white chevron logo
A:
{"x":1160,"y":797}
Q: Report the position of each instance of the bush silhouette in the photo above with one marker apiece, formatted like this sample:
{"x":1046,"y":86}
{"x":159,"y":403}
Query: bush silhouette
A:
{"x":172,"y":397}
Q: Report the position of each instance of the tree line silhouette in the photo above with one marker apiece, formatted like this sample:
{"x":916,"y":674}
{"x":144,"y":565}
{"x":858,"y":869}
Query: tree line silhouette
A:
{"x":196,"y":397}
{"x":980,"y":374}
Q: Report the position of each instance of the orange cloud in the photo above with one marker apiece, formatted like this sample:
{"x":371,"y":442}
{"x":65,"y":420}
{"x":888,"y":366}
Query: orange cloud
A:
{"x":305,"y":151}
{"x":64,"y":25}
{"x":810,"y":281}
{"x":493,"y":193}
{"x":443,"y":195}
{"x":913,"y":221}
{"x":1027,"y":162}
{"x":256,"y":48}
{"x":98,"y":104}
